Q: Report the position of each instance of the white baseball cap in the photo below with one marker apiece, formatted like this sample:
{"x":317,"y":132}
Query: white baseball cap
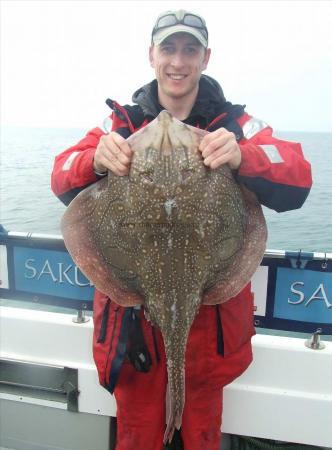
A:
{"x":180,"y":21}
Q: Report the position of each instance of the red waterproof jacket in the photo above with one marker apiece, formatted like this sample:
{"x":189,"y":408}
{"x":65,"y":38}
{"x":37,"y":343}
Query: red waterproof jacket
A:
{"x":275,"y":170}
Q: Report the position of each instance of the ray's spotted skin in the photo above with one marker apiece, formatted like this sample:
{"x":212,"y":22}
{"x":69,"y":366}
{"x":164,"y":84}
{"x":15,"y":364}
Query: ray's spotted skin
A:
{"x":171,"y":236}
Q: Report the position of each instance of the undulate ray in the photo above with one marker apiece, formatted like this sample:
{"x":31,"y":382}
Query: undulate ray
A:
{"x":171,"y":236}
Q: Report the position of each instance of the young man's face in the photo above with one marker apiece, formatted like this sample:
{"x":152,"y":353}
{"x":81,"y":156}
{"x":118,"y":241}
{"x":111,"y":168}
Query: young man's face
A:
{"x":178,"y":62}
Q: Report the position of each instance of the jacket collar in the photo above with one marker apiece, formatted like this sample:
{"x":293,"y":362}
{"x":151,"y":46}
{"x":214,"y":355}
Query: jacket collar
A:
{"x":210,"y":100}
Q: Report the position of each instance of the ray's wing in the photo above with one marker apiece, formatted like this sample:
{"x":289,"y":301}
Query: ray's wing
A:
{"x":247,"y":259}
{"x":91,"y":220}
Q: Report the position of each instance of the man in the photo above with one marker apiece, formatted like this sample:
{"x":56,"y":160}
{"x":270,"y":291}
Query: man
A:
{"x":128,"y":352}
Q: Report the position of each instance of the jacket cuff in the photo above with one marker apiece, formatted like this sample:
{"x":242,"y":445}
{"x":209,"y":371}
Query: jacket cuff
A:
{"x":84,"y":166}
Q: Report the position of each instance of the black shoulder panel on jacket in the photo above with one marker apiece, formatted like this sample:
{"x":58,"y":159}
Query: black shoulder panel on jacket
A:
{"x":67,"y":197}
{"x":135,"y":114}
{"x":123,"y":131}
{"x":280,"y":197}
{"x":228,"y":115}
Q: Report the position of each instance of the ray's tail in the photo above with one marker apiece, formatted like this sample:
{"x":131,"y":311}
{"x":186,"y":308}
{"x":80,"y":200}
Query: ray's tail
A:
{"x":175,"y":400}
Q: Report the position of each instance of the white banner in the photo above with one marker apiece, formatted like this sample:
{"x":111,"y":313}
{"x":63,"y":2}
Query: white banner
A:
{"x":3,"y":268}
{"x":259,"y":288}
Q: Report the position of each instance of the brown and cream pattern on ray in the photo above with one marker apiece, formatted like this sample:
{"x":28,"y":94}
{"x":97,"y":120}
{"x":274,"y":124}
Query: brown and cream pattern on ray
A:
{"x":171,"y":236}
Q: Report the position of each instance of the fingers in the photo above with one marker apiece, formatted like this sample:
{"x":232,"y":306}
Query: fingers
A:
{"x":221,"y":154}
{"x":121,"y":145}
{"x":213,"y":140}
{"x":220,"y":147}
{"x":113,"y":153}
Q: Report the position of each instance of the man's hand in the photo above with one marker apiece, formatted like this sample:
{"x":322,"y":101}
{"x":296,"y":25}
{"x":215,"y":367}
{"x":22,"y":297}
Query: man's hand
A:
{"x":220,"y":147}
{"x":113,"y":153}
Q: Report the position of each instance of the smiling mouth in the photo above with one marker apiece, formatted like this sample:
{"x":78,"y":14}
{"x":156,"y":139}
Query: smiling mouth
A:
{"x":175,"y":77}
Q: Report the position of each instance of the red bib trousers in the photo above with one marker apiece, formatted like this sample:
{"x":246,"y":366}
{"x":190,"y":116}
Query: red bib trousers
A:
{"x":140,"y":397}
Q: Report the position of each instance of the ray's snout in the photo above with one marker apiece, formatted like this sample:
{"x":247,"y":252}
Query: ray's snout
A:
{"x":165,"y":117}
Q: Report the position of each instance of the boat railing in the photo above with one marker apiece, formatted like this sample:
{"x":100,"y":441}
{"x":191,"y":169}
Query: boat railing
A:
{"x":292,"y":289}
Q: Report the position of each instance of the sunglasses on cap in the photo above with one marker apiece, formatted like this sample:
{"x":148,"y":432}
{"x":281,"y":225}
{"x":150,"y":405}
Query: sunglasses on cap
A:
{"x":190,"y":20}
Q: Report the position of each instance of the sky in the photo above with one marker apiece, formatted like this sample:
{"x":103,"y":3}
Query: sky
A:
{"x":61,"y":59}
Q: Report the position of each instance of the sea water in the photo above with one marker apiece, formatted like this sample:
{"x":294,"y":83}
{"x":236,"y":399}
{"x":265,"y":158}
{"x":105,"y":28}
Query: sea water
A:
{"x":28,"y":204}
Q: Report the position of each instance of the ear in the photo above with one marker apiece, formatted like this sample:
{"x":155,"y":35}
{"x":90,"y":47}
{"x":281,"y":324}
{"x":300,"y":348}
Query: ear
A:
{"x":206,"y":58}
{"x":151,"y":58}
